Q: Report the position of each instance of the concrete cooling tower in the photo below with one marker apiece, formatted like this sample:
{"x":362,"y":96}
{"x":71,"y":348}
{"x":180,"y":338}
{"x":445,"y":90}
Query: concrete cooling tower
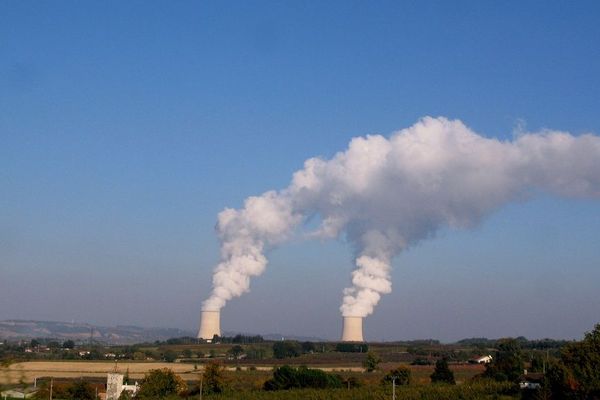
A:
{"x":210,"y":324}
{"x":352,"y":331}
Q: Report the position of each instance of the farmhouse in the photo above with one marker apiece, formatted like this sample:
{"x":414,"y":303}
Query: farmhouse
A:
{"x":481,"y":360}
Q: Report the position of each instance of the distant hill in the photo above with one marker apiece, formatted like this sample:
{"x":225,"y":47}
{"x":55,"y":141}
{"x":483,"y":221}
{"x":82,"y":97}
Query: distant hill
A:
{"x":20,"y":329}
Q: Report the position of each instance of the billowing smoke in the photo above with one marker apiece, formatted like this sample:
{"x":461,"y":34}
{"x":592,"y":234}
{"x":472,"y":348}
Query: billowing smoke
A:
{"x":385,"y":194}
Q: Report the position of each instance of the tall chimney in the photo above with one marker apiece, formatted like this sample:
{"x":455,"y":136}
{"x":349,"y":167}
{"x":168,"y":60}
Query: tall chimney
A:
{"x":210,"y":324}
{"x":352,"y":331}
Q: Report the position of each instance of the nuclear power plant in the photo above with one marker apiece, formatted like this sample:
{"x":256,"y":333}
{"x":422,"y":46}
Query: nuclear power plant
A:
{"x":352,"y":331}
{"x":210,"y":324}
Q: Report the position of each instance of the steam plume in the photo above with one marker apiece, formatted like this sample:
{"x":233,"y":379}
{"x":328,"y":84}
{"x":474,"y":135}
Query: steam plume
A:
{"x":385,"y":194}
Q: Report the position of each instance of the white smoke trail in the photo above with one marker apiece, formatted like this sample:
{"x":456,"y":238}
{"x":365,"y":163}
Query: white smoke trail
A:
{"x":385,"y":194}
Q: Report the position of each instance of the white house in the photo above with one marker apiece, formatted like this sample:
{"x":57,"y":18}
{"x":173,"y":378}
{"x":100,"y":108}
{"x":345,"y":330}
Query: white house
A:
{"x":482,"y":360}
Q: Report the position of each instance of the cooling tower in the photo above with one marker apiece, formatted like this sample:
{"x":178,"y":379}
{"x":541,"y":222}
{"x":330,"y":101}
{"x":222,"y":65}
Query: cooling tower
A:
{"x":210,"y":324}
{"x":352,"y":331}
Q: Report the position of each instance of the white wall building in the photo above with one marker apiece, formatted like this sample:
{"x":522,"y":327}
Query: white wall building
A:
{"x":484,"y":359}
{"x":115,"y":386}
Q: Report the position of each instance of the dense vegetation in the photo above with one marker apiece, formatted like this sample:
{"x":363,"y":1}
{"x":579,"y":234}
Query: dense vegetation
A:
{"x":352,"y":347}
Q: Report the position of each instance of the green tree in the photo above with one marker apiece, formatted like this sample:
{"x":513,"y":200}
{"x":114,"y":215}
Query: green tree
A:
{"x":286,"y":349}
{"x":536,"y":363}
{"x":582,"y":363}
{"x":308,"y":347}
{"x":401,"y":373}
{"x":213,"y":381}
{"x":255,"y":353}
{"x":442,"y":373}
{"x":236,"y":351}
{"x":560,"y":381}
{"x":507,"y":363}
{"x":169,"y":356}
{"x":160,"y":383}
{"x":68,"y":344}
{"x":371,"y":362}
{"x":81,"y":390}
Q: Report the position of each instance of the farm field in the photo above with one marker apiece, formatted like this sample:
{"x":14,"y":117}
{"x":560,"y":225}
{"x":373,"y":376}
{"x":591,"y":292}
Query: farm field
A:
{"x":29,"y":370}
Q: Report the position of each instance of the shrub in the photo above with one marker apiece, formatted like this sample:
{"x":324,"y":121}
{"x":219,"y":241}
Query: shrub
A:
{"x":401,"y":373}
{"x":371,"y":362}
{"x":442,"y":373}
{"x":213,"y":377}
{"x":160,"y":383}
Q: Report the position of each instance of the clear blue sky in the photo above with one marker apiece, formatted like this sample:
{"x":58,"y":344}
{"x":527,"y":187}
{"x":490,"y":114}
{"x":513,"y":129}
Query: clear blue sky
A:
{"x":125,"y":127}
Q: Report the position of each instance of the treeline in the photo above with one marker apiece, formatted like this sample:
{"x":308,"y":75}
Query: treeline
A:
{"x":352,"y":347}
{"x":238,"y":339}
{"x":292,"y":348}
{"x":536,"y":344}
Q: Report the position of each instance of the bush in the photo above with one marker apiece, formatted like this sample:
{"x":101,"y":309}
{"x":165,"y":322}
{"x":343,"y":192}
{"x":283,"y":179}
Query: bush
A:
{"x":213,"y":378}
{"x":160,"y":383}
{"x":287,"y":377}
{"x":442,"y":373}
{"x":401,"y":373}
{"x":371,"y":362}
{"x":421,"y":361}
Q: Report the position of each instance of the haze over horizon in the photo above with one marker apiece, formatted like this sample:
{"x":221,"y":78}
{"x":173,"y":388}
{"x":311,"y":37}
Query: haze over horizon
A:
{"x":127,"y":127}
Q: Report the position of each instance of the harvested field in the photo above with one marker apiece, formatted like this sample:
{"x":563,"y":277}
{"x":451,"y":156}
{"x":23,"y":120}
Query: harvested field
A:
{"x":27,"y":371}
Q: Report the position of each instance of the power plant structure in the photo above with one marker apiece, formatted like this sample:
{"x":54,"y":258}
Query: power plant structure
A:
{"x":352,"y":331}
{"x":210,"y":325}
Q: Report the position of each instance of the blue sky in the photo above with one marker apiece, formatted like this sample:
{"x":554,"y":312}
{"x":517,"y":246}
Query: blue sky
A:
{"x":126,"y":127}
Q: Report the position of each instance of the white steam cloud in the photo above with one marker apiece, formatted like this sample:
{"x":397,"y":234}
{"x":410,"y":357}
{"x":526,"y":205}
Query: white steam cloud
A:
{"x":385,"y":194}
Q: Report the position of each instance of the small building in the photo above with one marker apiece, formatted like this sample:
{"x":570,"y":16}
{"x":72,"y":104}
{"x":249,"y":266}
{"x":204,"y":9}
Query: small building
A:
{"x":481,"y":360}
{"x":115,"y":386}
{"x":531,"y":381}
